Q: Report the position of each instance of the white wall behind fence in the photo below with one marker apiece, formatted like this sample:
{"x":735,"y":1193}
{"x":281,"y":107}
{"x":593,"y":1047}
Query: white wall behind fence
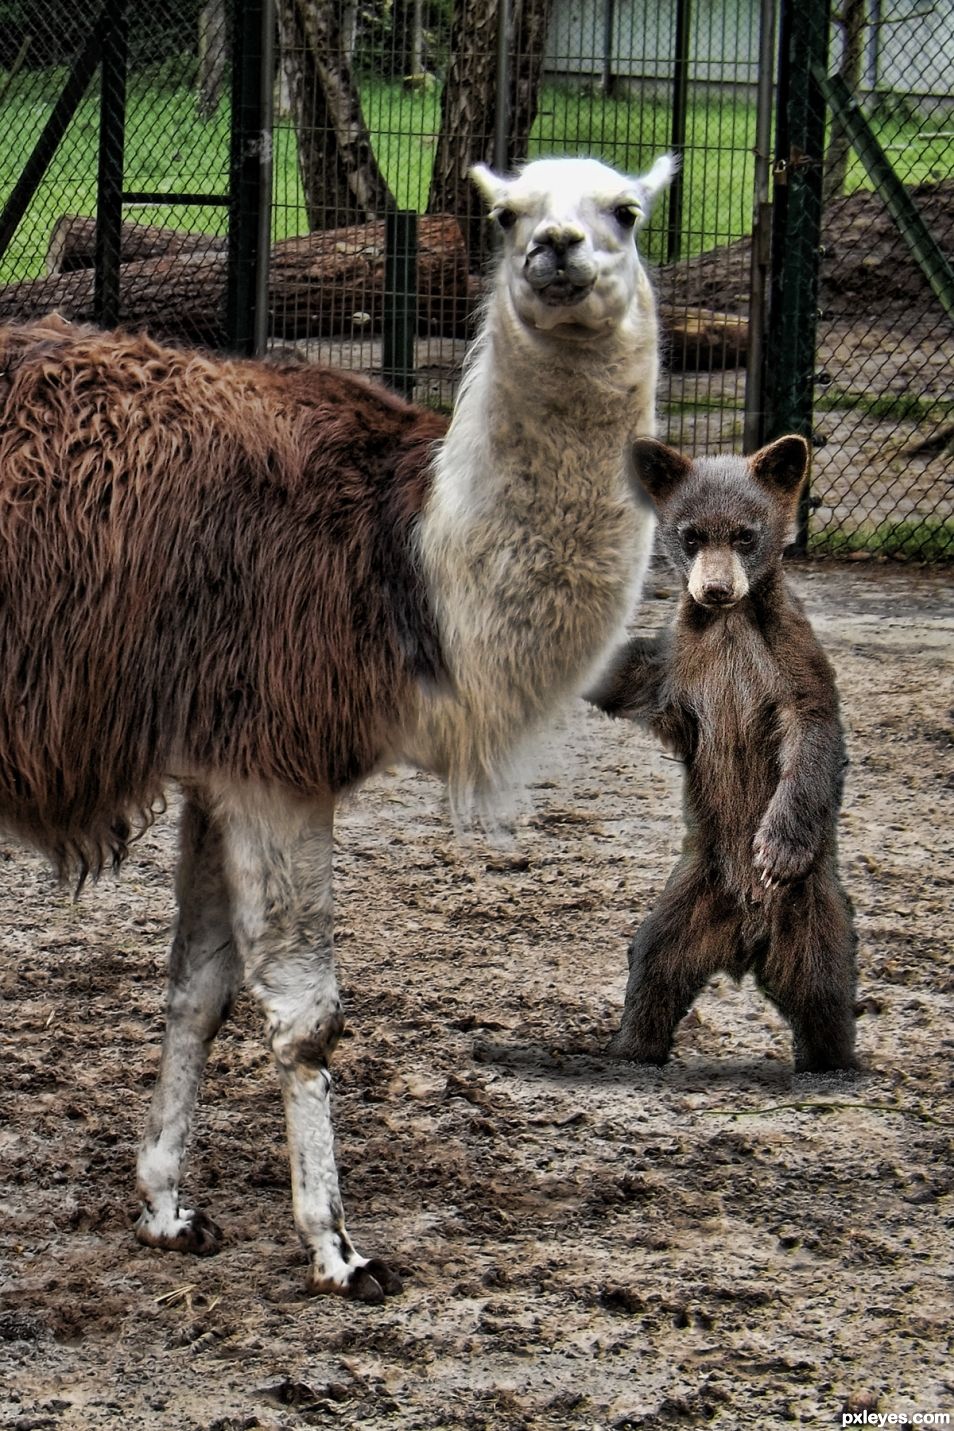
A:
{"x":910,"y":43}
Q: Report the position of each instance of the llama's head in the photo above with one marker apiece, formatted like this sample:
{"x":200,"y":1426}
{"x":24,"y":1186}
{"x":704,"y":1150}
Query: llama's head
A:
{"x":570,"y":265}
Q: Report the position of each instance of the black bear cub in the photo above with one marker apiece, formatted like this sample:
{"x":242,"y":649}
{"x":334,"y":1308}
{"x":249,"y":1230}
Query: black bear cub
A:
{"x":740,"y":690}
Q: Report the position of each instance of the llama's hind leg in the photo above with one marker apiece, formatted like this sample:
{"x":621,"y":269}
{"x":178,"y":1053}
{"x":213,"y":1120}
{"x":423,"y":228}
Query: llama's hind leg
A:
{"x":692,"y":931}
{"x":809,"y":973}
{"x":279,"y":859}
{"x":204,"y":977}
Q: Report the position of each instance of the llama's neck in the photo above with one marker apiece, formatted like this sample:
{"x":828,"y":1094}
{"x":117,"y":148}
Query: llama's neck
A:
{"x":531,"y":541}
{"x":559,"y":410}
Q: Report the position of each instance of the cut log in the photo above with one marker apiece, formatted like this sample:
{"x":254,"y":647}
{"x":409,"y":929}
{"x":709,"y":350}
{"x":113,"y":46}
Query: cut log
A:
{"x":339,"y":274}
{"x":320,"y":284}
{"x":73,"y":243}
{"x":177,"y":299}
{"x":173,"y":283}
{"x":701,"y":340}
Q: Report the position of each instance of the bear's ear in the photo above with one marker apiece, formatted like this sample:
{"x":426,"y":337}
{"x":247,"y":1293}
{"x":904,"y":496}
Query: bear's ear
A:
{"x":657,"y":468}
{"x":782,"y":466}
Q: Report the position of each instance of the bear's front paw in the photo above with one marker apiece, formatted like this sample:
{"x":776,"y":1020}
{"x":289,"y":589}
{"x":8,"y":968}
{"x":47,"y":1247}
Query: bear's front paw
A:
{"x":781,"y":856}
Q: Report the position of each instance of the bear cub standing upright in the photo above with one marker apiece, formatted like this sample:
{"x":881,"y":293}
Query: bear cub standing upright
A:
{"x":740,"y":690}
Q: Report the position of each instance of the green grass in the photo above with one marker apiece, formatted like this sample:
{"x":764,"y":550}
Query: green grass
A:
{"x":891,"y":407}
{"x":916,"y":146}
{"x":917,"y":538}
{"x":169,"y":148}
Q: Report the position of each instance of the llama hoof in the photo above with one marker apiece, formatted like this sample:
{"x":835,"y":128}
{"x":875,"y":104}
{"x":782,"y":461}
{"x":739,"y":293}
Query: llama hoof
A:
{"x":373,"y":1282}
{"x":189,"y":1231}
{"x":367,"y":1282}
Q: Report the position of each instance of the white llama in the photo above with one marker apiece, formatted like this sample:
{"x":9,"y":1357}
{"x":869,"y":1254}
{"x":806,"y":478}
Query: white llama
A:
{"x":533,"y":547}
{"x":267,"y":583}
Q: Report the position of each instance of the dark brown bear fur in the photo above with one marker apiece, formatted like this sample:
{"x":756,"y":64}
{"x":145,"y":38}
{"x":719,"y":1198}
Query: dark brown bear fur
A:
{"x":741,"y":691}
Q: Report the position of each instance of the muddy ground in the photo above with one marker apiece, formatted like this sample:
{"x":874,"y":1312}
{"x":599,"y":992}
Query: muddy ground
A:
{"x":585,"y":1244}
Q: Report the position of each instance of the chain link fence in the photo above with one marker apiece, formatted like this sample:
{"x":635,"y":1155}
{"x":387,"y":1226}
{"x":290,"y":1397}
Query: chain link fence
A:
{"x":797,"y":289}
{"x":884,"y":398}
{"x":125,"y":116}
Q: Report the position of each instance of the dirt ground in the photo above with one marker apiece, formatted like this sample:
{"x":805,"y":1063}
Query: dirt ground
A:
{"x":585,"y":1244}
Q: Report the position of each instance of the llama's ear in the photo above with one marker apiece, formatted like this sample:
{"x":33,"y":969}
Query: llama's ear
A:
{"x":493,"y":187}
{"x":657,"y":468}
{"x":782,"y":466}
{"x":660,"y":176}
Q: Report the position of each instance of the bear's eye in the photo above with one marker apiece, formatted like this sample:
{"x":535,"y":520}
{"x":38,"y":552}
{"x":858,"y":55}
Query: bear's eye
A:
{"x":506,"y":218}
{"x":691,"y":539}
{"x":626,"y":215}
{"x":744,"y":537}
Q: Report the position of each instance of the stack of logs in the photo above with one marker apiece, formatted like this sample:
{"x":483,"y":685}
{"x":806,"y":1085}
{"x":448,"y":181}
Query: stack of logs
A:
{"x":320,"y":284}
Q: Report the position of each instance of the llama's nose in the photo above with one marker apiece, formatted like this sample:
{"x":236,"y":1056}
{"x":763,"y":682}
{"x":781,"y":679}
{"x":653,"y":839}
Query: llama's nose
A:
{"x":560,"y":237}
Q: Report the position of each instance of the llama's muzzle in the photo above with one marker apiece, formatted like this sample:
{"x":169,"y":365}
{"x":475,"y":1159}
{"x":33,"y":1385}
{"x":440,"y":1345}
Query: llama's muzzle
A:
{"x":558,"y":273}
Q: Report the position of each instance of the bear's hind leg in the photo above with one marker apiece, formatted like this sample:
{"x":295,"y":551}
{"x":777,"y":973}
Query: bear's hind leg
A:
{"x":809,"y":972}
{"x":692,"y":931}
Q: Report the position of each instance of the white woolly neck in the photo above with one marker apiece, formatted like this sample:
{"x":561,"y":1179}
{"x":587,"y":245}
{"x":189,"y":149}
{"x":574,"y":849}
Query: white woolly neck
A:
{"x":588,"y":396}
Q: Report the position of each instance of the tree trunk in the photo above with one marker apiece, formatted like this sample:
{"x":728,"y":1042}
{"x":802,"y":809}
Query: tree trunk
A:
{"x":531,"y":21}
{"x":406,"y":58}
{"x":852,"y":21}
{"x":467,"y":120}
{"x":213,"y":57}
{"x":339,"y":172}
{"x":323,"y":283}
{"x":287,"y":66}
{"x":469,"y":105}
{"x":416,"y":56}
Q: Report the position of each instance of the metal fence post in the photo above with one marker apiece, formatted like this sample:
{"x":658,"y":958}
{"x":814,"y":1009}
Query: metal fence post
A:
{"x":608,"y":80}
{"x":112,"y":148}
{"x":502,"y":116}
{"x":680,"y":110}
{"x":250,"y":176}
{"x":796,"y":226}
{"x":761,"y":233}
{"x":400,"y":300}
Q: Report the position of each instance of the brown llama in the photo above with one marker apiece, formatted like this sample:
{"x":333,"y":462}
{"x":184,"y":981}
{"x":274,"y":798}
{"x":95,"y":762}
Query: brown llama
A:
{"x":264,"y":583}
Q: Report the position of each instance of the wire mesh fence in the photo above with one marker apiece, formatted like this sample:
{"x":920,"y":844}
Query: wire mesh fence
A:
{"x":884,"y":399}
{"x":136,"y":111}
{"x":121,"y":157}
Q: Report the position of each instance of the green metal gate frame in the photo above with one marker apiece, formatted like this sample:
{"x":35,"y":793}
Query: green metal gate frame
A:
{"x":806,"y":92}
{"x":796,"y":227}
{"x":249,"y":197}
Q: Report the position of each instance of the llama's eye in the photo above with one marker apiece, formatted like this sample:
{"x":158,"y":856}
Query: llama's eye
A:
{"x":744,"y":537}
{"x":506,"y":218}
{"x":626,"y":215}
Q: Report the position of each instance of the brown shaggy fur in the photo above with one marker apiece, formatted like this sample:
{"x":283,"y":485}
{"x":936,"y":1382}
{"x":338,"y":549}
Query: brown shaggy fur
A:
{"x":203,"y":564}
{"x":740,"y":690}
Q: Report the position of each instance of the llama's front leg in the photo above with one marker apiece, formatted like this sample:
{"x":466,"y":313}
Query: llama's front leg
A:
{"x":279,"y":865}
{"x":204,"y":977}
